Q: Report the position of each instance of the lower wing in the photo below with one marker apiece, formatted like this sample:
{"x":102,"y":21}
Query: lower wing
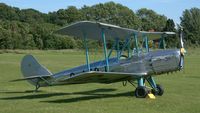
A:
{"x":101,"y":77}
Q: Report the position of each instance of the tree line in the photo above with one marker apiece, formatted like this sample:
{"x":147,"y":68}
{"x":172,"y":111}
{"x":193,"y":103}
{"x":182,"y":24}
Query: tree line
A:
{"x":31,"y":29}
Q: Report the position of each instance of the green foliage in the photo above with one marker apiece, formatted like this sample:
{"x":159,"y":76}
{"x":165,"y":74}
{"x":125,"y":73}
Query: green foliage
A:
{"x":31,"y":16}
{"x":8,"y":13}
{"x":65,"y":16}
{"x":151,"y":20}
{"x":190,"y":21}
{"x":112,"y":13}
{"x":31,"y":29}
{"x":171,"y":40}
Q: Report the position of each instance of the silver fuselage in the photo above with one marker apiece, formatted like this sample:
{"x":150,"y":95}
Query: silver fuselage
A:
{"x":152,"y":63}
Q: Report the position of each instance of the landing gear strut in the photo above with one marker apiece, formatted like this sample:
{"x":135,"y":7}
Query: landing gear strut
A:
{"x":37,"y":86}
{"x":156,"y":88}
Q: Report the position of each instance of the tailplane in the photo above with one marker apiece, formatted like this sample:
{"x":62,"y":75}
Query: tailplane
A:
{"x":32,"y":70}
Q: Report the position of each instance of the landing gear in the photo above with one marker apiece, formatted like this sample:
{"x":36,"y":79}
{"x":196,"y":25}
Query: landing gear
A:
{"x":158,"y":91}
{"x":156,"y":88}
{"x":37,"y":86}
{"x":141,"y":92}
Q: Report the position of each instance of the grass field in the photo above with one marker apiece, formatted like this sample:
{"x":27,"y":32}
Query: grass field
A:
{"x":182,"y":89}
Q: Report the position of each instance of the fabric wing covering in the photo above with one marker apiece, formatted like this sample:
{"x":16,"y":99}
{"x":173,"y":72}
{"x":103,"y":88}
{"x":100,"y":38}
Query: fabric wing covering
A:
{"x":93,"y":30}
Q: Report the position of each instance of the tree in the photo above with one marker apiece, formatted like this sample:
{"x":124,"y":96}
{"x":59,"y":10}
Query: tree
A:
{"x":8,"y":13}
{"x":65,"y":16}
{"x":5,"y":39}
{"x":31,"y":29}
{"x":31,"y":16}
{"x":112,"y":13}
{"x":171,"y":40}
{"x":190,"y":21}
{"x":73,"y":14}
{"x":60,"y":17}
{"x":151,"y":20}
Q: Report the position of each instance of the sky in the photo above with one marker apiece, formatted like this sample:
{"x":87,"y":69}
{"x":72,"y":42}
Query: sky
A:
{"x":171,"y":8}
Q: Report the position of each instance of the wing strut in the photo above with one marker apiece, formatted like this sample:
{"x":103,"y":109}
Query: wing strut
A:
{"x":162,"y":42}
{"x":105,"y":48}
{"x":136,"y":43}
{"x":86,"y":51}
{"x":146,"y":40}
{"x":118,"y":53}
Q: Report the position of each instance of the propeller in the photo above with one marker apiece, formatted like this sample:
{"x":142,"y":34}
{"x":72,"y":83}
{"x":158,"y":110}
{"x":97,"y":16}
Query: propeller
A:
{"x":182,"y":50}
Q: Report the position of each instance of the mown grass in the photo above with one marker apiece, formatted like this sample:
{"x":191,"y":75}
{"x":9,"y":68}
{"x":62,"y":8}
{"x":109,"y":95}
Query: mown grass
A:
{"x":182,"y":89}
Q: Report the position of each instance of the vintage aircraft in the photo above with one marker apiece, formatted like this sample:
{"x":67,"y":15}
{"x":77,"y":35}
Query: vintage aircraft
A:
{"x":139,"y":64}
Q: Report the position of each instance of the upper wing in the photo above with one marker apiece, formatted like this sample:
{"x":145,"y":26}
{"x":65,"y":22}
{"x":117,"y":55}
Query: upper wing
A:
{"x":101,"y":77}
{"x":155,"y":35}
{"x":93,"y":30}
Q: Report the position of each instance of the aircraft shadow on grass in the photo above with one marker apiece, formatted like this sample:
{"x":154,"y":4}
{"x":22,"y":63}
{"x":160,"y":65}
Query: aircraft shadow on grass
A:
{"x":195,"y":77}
{"x":85,"y":95}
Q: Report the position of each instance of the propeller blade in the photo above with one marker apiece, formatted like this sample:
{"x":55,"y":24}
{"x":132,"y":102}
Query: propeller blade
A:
{"x":181,"y":62}
{"x":182,"y":50}
{"x":181,"y":38}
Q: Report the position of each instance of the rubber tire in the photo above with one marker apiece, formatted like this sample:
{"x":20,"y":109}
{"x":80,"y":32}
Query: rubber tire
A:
{"x":96,"y":69}
{"x":141,"y":92}
{"x":159,"y":91}
{"x":71,"y":74}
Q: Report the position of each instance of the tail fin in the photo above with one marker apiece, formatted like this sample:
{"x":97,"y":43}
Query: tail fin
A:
{"x":31,"y":68}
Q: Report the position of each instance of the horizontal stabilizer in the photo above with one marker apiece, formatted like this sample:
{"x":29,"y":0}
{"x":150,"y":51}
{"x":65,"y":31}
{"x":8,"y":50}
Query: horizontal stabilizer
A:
{"x":33,"y":77}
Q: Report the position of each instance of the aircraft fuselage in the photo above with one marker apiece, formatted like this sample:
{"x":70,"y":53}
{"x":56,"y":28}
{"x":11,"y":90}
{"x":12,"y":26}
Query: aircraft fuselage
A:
{"x":152,"y":63}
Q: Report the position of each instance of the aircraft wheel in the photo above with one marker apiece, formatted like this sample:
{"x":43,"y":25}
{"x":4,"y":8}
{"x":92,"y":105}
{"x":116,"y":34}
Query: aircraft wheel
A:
{"x":159,"y":90}
{"x":71,"y":74}
{"x":141,"y":92}
{"x":96,"y":69}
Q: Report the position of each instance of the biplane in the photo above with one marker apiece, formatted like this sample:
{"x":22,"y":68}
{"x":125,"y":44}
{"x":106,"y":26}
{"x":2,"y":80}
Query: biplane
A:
{"x":140,"y":65}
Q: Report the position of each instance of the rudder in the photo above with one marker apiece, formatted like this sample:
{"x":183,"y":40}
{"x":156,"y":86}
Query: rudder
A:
{"x":31,"y":67}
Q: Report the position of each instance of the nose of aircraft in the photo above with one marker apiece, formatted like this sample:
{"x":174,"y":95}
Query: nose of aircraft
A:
{"x":179,"y":58}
